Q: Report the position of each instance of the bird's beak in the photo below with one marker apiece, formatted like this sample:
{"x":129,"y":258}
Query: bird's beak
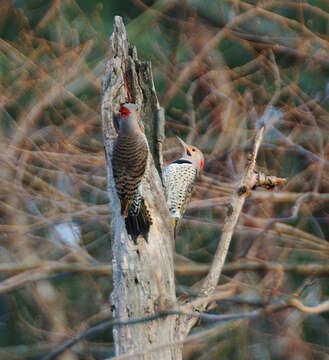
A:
{"x":185,"y":146}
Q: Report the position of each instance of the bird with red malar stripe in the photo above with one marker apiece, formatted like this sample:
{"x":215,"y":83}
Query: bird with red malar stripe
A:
{"x":179,"y":178}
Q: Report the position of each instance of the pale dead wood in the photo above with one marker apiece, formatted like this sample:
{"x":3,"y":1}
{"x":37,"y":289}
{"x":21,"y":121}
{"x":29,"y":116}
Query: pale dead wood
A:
{"x":143,"y":273}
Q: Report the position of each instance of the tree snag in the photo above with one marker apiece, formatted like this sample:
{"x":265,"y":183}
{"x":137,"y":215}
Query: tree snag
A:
{"x":143,"y":273}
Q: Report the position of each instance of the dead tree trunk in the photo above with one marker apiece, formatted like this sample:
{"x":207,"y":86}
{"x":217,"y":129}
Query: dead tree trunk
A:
{"x":143,"y":274}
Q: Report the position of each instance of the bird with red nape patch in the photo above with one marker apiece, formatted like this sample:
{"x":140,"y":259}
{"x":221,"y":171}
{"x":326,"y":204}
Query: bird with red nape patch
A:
{"x":129,"y":159}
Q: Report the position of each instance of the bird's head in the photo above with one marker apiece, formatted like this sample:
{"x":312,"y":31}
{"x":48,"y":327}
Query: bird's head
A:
{"x":127,"y":109}
{"x":128,"y":117}
{"x":192,"y":154}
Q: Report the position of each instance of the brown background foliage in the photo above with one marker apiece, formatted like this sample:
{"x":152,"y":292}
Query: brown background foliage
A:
{"x":217,"y":65}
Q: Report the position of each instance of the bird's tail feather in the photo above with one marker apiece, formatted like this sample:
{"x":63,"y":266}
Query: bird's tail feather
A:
{"x":138,"y":222}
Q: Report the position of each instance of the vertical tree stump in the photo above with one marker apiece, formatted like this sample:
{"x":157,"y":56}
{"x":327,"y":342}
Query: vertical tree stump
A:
{"x":143,"y":274}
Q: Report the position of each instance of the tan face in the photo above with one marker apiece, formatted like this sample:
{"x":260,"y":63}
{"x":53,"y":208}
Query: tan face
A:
{"x":193,"y":154}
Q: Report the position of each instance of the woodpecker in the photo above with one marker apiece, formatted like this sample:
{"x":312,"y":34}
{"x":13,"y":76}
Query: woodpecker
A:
{"x":179,"y":178}
{"x":129,"y":160}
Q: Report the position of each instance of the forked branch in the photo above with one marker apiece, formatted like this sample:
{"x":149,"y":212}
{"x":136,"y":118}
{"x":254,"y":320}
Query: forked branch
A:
{"x":249,"y":181}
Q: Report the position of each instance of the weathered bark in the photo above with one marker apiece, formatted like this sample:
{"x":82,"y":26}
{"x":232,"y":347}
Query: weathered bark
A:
{"x":143,"y":274}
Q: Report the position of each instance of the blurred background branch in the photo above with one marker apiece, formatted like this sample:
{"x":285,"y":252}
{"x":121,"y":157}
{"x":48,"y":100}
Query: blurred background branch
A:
{"x":216,"y":66}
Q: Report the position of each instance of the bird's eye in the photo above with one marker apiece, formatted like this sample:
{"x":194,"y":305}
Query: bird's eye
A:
{"x":124,"y":112}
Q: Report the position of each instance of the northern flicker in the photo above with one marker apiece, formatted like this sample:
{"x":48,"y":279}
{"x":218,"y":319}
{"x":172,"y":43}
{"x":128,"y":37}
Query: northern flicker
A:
{"x":179,"y":178}
{"x":129,"y":159}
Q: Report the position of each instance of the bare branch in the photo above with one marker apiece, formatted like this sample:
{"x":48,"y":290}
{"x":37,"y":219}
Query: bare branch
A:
{"x":266,"y":181}
{"x":231,"y":219}
{"x":266,"y":310}
{"x":317,"y":309}
{"x":27,"y":274}
{"x":249,"y":180}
